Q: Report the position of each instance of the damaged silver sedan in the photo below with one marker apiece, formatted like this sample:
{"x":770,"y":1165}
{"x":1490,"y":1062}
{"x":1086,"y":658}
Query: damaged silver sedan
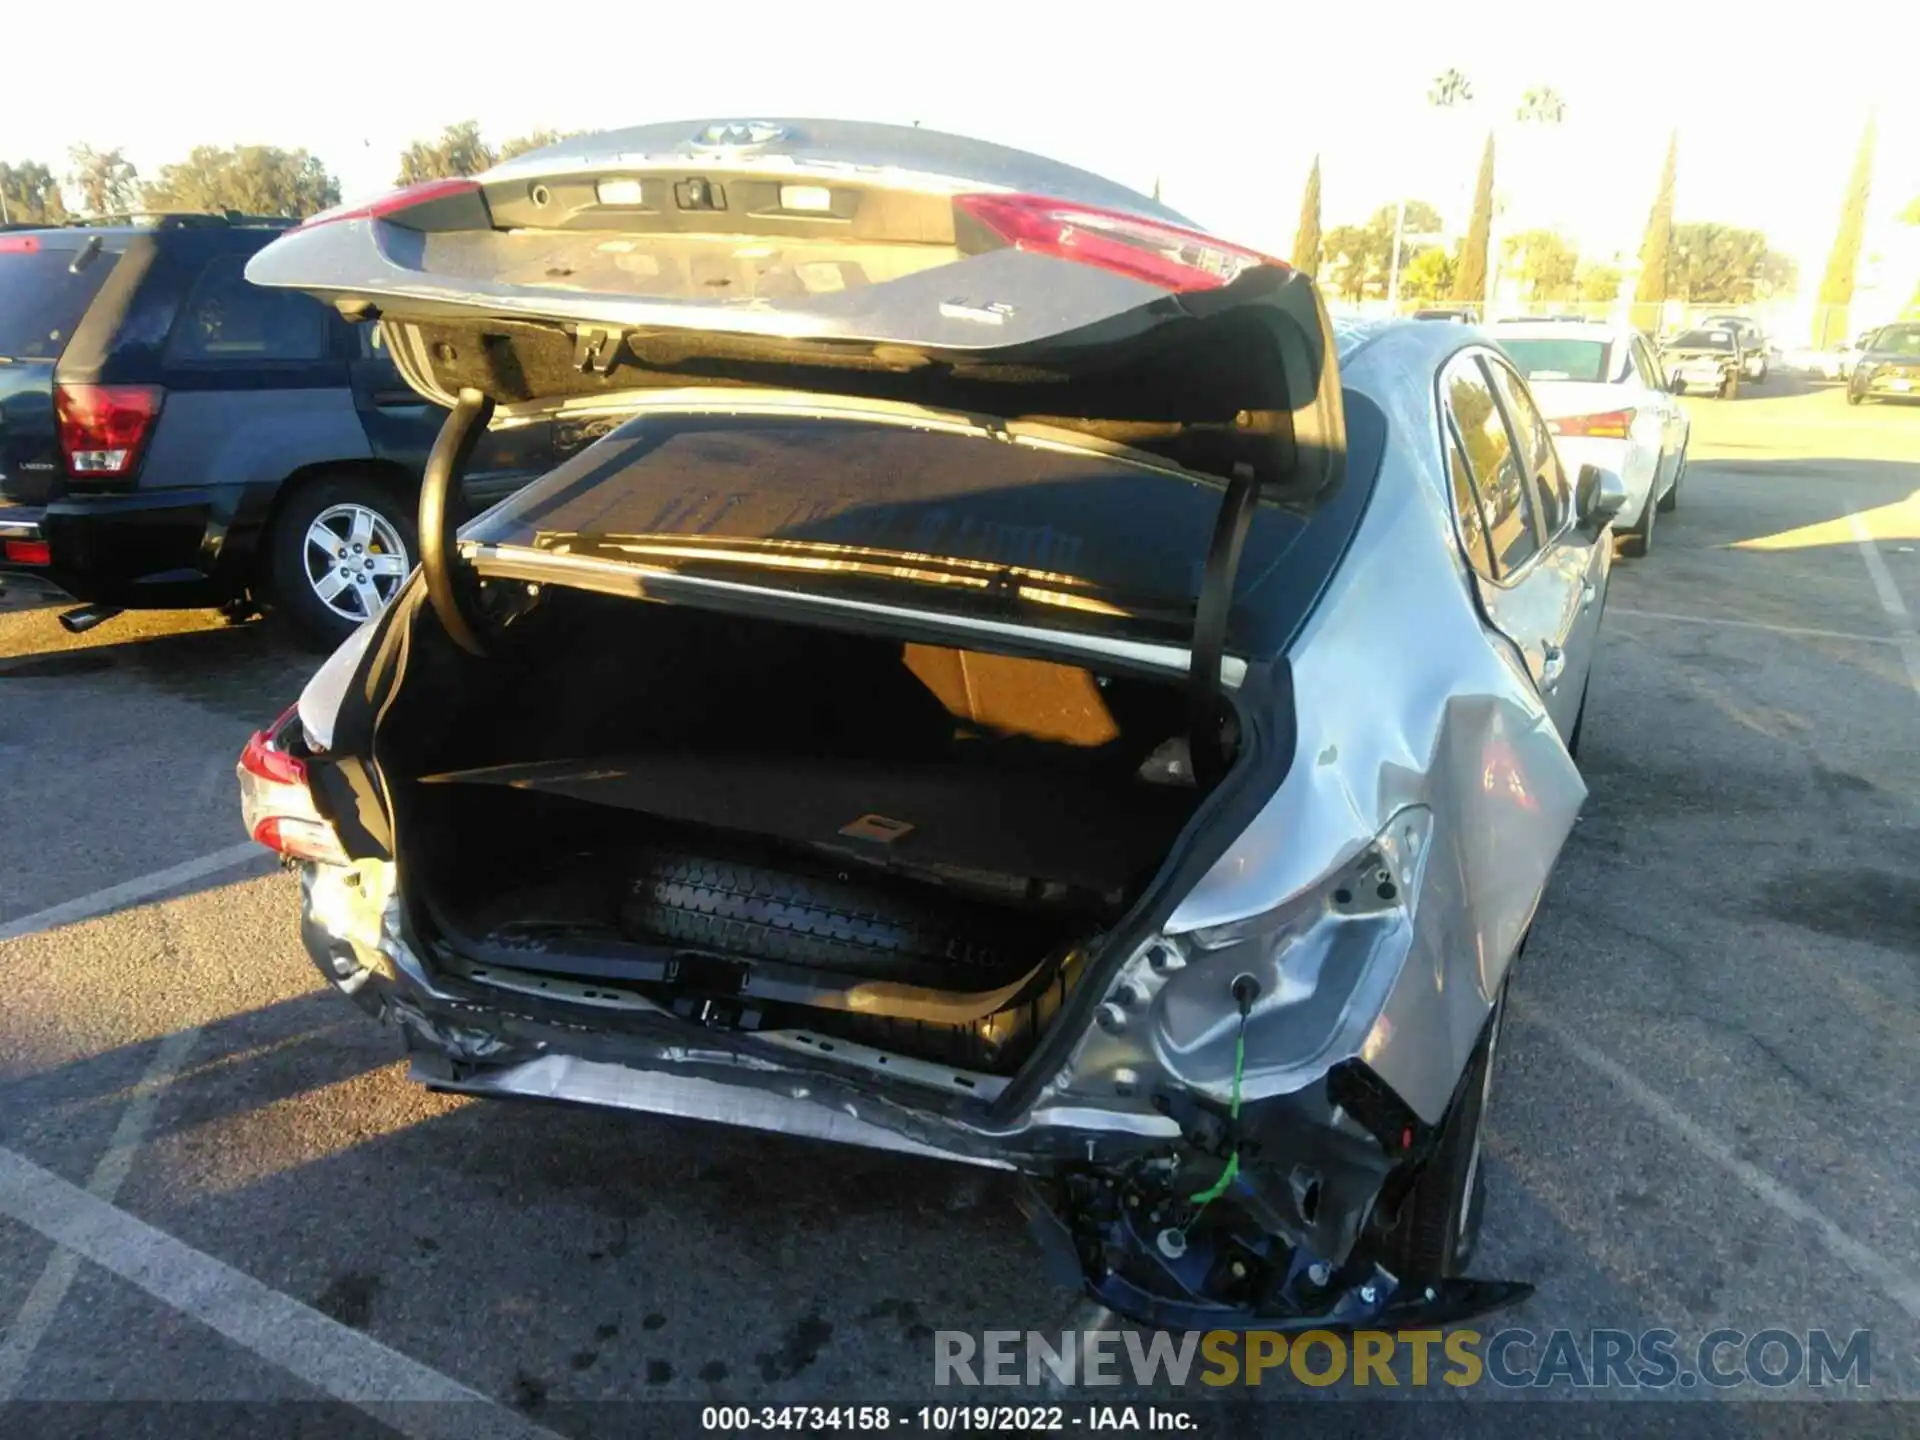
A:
{"x":996,"y":674}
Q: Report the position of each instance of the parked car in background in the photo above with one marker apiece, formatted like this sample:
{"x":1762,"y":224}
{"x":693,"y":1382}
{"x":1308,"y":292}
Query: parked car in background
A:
{"x":1851,"y":351}
{"x":1888,"y":366}
{"x":172,"y":436}
{"x":1464,"y":314}
{"x":1755,"y":347}
{"x":1609,"y":403}
{"x":1704,"y":359}
{"x":981,"y":794}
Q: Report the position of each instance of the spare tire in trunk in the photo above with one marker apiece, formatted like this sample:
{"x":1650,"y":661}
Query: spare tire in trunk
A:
{"x":880,"y":929}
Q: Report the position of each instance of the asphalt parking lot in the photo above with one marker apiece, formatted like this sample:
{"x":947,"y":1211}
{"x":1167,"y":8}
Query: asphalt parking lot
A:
{"x":1704,"y":1115}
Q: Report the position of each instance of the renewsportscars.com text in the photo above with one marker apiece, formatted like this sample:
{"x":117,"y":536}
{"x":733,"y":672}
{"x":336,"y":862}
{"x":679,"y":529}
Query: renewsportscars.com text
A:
{"x":1512,"y":1358}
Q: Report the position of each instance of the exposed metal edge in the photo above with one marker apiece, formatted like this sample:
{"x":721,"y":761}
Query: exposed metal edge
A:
{"x":594,"y":1082}
{"x":946,"y":1078}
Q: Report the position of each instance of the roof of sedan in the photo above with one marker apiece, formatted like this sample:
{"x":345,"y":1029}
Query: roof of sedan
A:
{"x":1604,"y":332}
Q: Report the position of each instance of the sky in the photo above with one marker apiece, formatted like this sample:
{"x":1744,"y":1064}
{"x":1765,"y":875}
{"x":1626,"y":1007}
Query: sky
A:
{"x":1225,"y":104}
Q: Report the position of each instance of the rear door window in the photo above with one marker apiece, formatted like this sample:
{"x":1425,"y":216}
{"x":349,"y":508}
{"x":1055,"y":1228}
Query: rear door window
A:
{"x":42,"y":299}
{"x":1466,"y":507}
{"x":1547,"y":487}
{"x":226,"y":320}
{"x":1497,"y":471}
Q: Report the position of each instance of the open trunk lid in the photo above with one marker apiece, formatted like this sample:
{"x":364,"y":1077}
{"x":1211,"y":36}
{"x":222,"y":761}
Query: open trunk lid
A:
{"x":1018,"y":299}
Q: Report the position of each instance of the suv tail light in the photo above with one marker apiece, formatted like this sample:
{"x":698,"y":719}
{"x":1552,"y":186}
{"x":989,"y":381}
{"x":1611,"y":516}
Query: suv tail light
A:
{"x":104,"y":428}
{"x":1610,"y":425}
{"x":1148,"y":250}
{"x":276,"y":803}
{"x":405,"y":198}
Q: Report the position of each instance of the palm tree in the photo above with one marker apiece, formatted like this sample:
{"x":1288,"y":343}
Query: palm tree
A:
{"x":1542,"y":106}
{"x":1450,"y":88}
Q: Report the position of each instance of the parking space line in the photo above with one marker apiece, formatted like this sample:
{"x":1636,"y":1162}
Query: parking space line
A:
{"x":1875,"y":1269}
{"x":130,"y":891}
{"x":1751,"y":625}
{"x":1890,"y":601}
{"x":43,"y":1301}
{"x":335,"y":1359}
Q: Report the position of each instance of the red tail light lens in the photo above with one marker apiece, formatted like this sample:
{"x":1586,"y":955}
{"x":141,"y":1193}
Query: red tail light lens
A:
{"x":20,"y":244}
{"x":29,"y":552}
{"x":1148,"y":250}
{"x":1611,"y":425}
{"x":276,"y":804}
{"x":405,"y":198}
{"x":103,"y":428}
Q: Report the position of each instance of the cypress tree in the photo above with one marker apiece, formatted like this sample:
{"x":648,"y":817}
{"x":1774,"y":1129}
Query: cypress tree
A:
{"x":1470,"y":280}
{"x":1306,"y":238}
{"x":1656,"y":247}
{"x":1836,"y":290}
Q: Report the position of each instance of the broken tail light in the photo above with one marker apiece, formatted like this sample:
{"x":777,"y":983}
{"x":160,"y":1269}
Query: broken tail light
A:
{"x":276,"y":803}
{"x":1610,"y":425}
{"x":1149,"y":250}
{"x":104,"y":428}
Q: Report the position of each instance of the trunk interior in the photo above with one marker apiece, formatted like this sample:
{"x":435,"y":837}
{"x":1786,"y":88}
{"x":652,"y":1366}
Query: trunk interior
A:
{"x":904,"y":846}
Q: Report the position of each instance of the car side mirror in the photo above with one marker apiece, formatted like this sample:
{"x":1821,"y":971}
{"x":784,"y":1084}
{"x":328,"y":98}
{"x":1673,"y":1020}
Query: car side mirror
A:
{"x":1598,"y":496}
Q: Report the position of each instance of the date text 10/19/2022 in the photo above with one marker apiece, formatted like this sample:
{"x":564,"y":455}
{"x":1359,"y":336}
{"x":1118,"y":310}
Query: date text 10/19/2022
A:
{"x":938,"y":1419}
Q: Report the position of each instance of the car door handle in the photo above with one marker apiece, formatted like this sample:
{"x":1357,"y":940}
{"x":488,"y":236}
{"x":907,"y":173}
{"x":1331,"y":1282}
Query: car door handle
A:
{"x":1589,"y":592}
{"x":1553,"y":664}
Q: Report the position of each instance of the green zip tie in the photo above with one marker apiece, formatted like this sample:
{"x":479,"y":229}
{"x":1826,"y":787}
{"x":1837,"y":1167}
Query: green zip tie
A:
{"x":1219,"y":1187}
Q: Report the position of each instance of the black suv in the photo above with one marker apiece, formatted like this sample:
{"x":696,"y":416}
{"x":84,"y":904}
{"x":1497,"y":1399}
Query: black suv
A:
{"x":172,"y":436}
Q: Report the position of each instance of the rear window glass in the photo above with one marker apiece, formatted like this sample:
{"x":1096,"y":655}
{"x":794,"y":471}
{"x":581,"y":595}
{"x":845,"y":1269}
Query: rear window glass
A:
{"x":1705,"y":340}
{"x":897,"y":514}
{"x":227,"y":318}
{"x":42,"y":300}
{"x":1899,"y":340}
{"x":1559,"y":359}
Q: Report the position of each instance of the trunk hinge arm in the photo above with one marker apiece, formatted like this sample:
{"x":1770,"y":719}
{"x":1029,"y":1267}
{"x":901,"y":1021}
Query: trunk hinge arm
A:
{"x":1206,"y":717}
{"x":442,"y":508}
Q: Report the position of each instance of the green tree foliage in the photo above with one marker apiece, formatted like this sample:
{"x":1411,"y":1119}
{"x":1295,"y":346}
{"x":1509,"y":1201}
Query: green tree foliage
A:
{"x":1656,"y":246}
{"x":1836,"y":287}
{"x":1600,"y":284}
{"x":30,"y":193}
{"x":457,"y":150}
{"x":1548,"y":263}
{"x":1450,"y":88}
{"x":106,"y":180}
{"x":1470,"y":281}
{"x":1711,"y":264}
{"x":540,"y":139}
{"x":1429,"y":275}
{"x":253,"y":179}
{"x":1306,"y":235}
{"x":1542,"y":106}
{"x":1364,"y":253}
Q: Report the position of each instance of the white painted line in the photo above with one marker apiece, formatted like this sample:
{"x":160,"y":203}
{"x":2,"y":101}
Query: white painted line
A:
{"x":338,"y":1361}
{"x":139,"y":888}
{"x":1750,"y":625}
{"x":1890,"y":601}
{"x":1873,"y":1268}
{"x":43,"y":1301}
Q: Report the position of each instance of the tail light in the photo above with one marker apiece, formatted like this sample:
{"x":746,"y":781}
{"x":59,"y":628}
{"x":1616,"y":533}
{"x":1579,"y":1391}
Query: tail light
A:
{"x":276,"y":803}
{"x":104,"y":428}
{"x":1148,"y":250}
{"x":392,"y":203}
{"x":28,"y":552}
{"x":1611,"y":425}
{"x":20,"y":244}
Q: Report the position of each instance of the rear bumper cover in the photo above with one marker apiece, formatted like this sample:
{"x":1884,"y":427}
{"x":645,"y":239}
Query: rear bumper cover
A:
{"x":154,"y":550}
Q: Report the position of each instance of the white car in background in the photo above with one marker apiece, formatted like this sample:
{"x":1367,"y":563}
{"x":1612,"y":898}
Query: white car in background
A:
{"x":1609,"y":402}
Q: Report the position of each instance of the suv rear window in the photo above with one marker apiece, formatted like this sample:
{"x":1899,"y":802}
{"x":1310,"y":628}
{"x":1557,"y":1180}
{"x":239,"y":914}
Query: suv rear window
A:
{"x":42,"y":300}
